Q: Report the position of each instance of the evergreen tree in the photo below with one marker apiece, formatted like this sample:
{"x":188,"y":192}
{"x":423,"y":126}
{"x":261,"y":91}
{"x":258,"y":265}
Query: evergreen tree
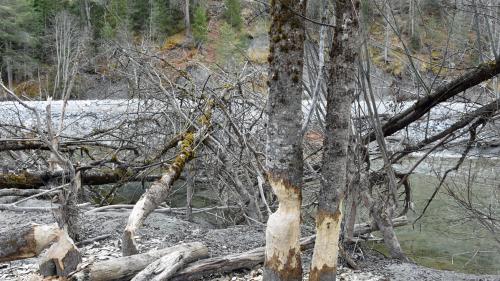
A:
{"x":139,"y":15}
{"x":233,"y":13}
{"x":116,"y":16}
{"x":16,"y":38}
{"x":200,"y":29}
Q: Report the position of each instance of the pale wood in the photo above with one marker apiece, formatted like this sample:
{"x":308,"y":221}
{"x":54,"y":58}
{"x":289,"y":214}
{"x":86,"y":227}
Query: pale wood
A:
{"x":124,"y":268}
{"x":252,"y":258}
{"x":26,"y":241}
{"x":62,"y":258}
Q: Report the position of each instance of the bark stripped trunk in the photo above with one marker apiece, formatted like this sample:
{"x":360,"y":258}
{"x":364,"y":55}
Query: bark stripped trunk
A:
{"x":284,"y":142}
{"x":156,"y":194}
{"x":341,"y":86}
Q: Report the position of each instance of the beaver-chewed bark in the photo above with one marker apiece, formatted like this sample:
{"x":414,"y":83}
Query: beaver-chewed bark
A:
{"x":284,"y":161}
{"x":340,"y":92}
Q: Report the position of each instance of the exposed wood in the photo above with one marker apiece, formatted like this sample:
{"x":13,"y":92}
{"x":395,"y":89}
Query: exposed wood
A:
{"x":483,"y":72}
{"x":126,"y":267}
{"x":26,"y":241}
{"x":341,"y":88}
{"x":62,"y":258}
{"x":160,"y":189}
{"x":284,"y":151}
{"x":249,"y":259}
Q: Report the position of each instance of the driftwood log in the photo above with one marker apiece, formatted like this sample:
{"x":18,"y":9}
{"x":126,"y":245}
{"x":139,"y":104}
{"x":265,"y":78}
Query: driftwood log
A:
{"x":127,"y":267}
{"x":26,"y":241}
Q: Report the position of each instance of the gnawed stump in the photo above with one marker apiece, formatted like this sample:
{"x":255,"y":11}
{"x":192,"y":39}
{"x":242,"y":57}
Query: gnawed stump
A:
{"x":63,"y":257}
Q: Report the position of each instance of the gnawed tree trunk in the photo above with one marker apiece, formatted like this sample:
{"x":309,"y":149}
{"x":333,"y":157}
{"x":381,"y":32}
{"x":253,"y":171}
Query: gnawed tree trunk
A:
{"x":124,"y":268}
{"x":62,"y":258}
{"x":248,"y":260}
{"x":26,"y":241}
{"x":160,"y":189}
{"x":284,"y":140}
{"x":68,"y":214}
{"x":340,"y":92}
{"x":156,"y":194}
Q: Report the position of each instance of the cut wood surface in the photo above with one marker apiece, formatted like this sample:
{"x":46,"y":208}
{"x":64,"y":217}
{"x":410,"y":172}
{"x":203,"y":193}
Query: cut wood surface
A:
{"x":62,"y":258}
{"x":26,"y":241}
{"x":127,"y":267}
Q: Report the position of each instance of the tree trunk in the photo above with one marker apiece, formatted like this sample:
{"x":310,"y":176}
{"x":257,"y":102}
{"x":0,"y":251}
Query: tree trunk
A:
{"x":284,"y":141}
{"x":383,"y":221}
{"x":160,"y":189}
{"x":340,"y":92}
{"x":187,"y":21}
{"x":156,"y":194}
{"x":68,"y":215}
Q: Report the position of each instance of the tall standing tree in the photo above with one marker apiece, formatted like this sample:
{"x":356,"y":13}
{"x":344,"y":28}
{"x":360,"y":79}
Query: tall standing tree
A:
{"x":16,"y":37}
{"x":233,"y":13}
{"x":187,"y":20}
{"x":340,"y":92}
{"x":284,"y":161}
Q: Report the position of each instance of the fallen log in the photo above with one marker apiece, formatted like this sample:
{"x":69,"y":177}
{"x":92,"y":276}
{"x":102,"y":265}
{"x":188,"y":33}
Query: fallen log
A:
{"x":31,"y":180}
{"x":365,"y":228}
{"x":252,"y":258}
{"x":18,"y":192}
{"x":26,"y":241}
{"x":9,"y":199}
{"x":163,"y":269}
{"x":127,"y":267}
{"x":160,"y":189}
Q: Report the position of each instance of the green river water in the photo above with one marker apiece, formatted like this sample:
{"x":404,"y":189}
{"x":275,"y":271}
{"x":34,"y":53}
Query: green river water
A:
{"x":445,"y":238}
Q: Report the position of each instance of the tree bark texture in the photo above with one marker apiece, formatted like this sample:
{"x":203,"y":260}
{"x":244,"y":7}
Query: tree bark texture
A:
{"x":284,"y":160}
{"x":340,"y":92}
{"x":30,"y":180}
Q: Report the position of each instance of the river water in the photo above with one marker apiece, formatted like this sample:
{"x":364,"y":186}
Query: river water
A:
{"x":447,"y":237}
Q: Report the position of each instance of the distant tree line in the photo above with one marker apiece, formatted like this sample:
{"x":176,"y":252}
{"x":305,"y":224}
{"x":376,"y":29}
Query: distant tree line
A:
{"x":26,"y":33}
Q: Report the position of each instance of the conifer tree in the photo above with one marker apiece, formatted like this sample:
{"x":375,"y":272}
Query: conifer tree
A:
{"x":200,"y":28}
{"x":233,"y":13}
